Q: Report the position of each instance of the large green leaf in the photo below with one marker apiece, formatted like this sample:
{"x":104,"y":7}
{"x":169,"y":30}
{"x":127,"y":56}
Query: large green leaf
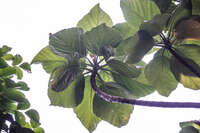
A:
{"x":64,"y":75}
{"x":100,"y":37}
{"x":71,"y":96}
{"x":124,"y":68}
{"x":67,"y":43}
{"x":190,"y":54}
{"x":84,"y":111}
{"x":136,"y":47}
{"x":155,"y":25}
{"x":138,"y":11}
{"x":163,"y":4}
{"x":14,"y":95}
{"x":135,"y":88}
{"x":7,"y":71}
{"x":48,"y":59}
{"x":23,"y":105}
{"x":181,"y":12}
{"x":159,"y":74}
{"x":126,"y":30}
{"x":116,"y":114}
{"x":95,"y":17}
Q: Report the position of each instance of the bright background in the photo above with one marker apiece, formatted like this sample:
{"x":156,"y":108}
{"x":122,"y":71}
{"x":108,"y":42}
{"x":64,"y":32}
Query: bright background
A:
{"x":25,"y":26}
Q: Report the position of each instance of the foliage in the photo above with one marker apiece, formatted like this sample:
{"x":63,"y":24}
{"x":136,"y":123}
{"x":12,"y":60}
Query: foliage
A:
{"x":98,"y":52}
{"x":13,"y":102}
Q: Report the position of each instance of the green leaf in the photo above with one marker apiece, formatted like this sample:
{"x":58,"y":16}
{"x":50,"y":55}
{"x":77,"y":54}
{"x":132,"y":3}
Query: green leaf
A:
{"x":22,"y":86}
{"x":163,"y":4}
{"x":116,"y":114}
{"x":33,"y":115}
{"x":95,"y":17}
{"x":15,"y":95}
{"x":26,"y":66}
{"x":159,"y":74}
{"x":19,"y":72}
{"x":20,"y":118}
{"x":84,"y":111}
{"x":48,"y":59}
{"x":190,"y":54}
{"x":23,"y":105}
{"x":181,"y":12}
{"x":63,"y":76}
{"x":8,"y":57}
{"x":67,"y":43}
{"x":125,"y":29}
{"x":34,"y":124}
{"x":195,"y":7}
{"x":4,"y":49}
{"x":135,"y":88}
{"x":38,"y":130}
{"x":3,"y":63}
{"x":123,"y":68}
{"x":138,"y":11}
{"x":155,"y":25}
{"x":7,"y":71}
{"x":17,"y":59}
{"x":136,"y":47}
{"x":71,"y":96}
{"x":100,"y":37}
{"x":189,"y":129}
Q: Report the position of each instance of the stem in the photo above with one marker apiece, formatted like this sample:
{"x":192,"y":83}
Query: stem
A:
{"x":117,"y":99}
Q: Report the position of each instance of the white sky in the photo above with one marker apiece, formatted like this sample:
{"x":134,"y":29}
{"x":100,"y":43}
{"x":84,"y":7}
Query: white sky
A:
{"x":25,"y":25}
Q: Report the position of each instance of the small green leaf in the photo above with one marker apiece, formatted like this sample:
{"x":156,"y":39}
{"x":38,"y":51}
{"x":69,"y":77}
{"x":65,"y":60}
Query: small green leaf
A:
{"x":84,"y":111}
{"x":20,"y":118}
{"x":19,"y":72}
{"x":123,"y":68}
{"x":67,"y":43}
{"x":138,"y":11}
{"x":34,"y":124}
{"x":155,"y":25}
{"x":3,"y":63}
{"x":17,"y":59}
{"x":195,"y":7}
{"x":23,"y":105}
{"x":159,"y":74}
{"x":95,"y":17}
{"x":100,"y":37}
{"x":8,"y":57}
{"x":38,"y":130}
{"x":26,"y":66}
{"x":5,"y":49}
{"x":7,"y":71}
{"x":125,"y":29}
{"x":135,"y":88}
{"x":71,"y":96}
{"x":116,"y":114}
{"x":22,"y":86}
{"x":190,"y":54}
{"x":48,"y":59}
{"x":33,"y":115}
{"x":15,"y":95}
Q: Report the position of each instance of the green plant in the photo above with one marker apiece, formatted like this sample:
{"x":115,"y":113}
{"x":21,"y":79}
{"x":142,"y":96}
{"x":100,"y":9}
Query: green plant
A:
{"x":98,"y":53}
{"x":12,"y":99}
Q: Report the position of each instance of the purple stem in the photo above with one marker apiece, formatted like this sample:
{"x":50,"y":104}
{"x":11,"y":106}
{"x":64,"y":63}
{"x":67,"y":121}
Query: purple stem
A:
{"x":117,"y":99}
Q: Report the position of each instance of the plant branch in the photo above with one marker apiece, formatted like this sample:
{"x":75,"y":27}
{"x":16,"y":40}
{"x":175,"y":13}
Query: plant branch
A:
{"x":117,"y":99}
